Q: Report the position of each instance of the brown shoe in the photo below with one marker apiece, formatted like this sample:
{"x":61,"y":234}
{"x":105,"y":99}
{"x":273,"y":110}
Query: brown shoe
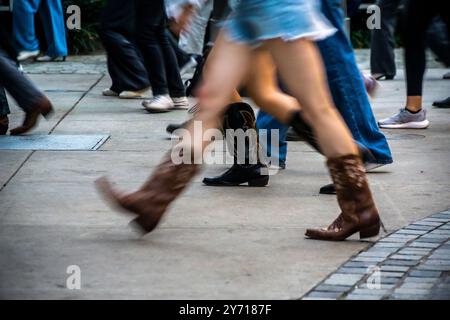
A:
{"x":150,"y":202}
{"x":44,"y":107}
{"x":359,"y":213}
{"x":4,"y":124}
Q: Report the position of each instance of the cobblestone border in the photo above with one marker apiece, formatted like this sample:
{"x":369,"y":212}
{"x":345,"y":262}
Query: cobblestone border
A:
{"x":410,"y":263}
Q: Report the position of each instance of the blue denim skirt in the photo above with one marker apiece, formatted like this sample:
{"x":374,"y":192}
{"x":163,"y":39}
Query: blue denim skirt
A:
{"x":253,"y":21}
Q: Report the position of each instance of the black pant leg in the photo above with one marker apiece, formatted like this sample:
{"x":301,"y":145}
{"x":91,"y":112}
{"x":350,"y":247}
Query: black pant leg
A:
{"x":125,"y":64}
{"x":382,"y":58}
{"x":182,"y":56}
{"x":417,"y":18}
{"x":159,"y":56}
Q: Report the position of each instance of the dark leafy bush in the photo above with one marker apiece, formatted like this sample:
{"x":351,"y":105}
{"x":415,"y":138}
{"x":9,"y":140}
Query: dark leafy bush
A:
{"x":85,"y":40}
{"x":360,"y":38}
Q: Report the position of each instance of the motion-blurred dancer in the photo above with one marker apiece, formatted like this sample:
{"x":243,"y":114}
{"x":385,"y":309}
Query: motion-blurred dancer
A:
{"x":24,"y":34}
{"x":159,"y":58}
{"x":28,"y":97}
{"x":125,"y":64}
{"x":288,"y":33}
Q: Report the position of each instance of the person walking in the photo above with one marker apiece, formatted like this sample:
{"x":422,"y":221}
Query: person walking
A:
{"x":28,"y":97}
{"x":125,"y":63}
{"x":159,"y":58}
{"x":24,"y":34}
{"x":382,"y":56}
{"x":417,"y":19}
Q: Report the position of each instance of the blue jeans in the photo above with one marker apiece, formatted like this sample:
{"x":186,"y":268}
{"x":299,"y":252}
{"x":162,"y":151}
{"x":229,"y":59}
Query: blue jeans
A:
{"x":347,"y":89}
{"x":52,"y":18}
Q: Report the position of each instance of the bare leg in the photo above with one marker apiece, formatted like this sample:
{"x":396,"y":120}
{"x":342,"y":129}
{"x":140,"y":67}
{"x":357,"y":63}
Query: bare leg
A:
{"x":302,"y":70}
{"x":226,"y":67}
{"x":414,"y":103}
{"x":224,"y":71}
{"x":263,"y":88}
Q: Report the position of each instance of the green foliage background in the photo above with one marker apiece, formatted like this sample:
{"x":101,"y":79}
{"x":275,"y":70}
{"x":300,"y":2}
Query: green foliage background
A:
{"x":85,"y":40}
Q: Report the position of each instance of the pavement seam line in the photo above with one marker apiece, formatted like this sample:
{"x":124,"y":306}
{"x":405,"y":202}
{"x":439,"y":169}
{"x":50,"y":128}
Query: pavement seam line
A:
{"x":77,"y":103}
{"x":16,"y":171}
{"x":53,"y":128}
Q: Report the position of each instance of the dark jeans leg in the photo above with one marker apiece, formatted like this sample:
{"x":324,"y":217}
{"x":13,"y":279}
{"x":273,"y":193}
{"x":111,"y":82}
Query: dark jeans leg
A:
{"x":347,"y":87}
{"x":159,"y":56}
{"x":4,"y":106}
{"x":382,"y":58}
{"x":17,"y":84}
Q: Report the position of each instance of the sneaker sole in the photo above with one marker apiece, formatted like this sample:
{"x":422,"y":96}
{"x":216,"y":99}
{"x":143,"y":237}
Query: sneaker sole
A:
{"x":157,"y":110}
{"x":137,"y":96}
{"x":409,"y":125}
{"x":180,"y":107}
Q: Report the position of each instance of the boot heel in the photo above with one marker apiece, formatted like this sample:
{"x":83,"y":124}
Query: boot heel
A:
{"x":48,"y":114}
{"x":369,"y":232}
{"x":47,"y":110}
{"x":260,"y":182}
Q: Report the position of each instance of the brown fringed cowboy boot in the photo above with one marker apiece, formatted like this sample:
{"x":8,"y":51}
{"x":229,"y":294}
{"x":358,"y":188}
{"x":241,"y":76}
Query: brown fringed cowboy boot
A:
{"x":151,"y":201}
{"x":359,"y":213}
{"x":304,"y":131}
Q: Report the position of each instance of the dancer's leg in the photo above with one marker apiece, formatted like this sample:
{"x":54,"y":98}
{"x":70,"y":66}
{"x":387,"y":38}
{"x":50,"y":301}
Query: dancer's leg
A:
{"x":263,"y":88}
{"x":299,"y":62}
{"x":23,"y":25}
{"x":28,"y":97}
{"x":4,"y":111}
{"x":300,"y":67}
{"x":224,"y":71}
{"x":52,"y":17}
{"x":125,"y":64}
{"x":226,"y":67}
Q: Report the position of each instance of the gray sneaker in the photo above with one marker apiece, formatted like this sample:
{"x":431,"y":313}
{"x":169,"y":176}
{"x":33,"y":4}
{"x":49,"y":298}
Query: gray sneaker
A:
{"x":406,"y":120}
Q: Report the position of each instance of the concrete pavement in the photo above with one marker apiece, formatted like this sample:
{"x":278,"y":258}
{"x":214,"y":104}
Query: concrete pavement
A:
{"x":234,"y":243}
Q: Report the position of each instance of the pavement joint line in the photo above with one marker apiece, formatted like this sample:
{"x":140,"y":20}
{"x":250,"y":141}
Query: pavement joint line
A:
{"x":77,"y":102}
{"x":17,"y":170}
{"x":391,"y":292}
{"x":51,"y":130}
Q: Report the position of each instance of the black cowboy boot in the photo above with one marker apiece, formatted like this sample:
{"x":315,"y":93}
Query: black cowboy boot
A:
{"x":241,"y":116}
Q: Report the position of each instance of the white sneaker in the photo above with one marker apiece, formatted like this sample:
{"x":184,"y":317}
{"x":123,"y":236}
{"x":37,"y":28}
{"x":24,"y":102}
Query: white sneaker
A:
{"x":109,"y":93}
{"x":158,"y":104}
{"x":134,"y":94}
{"x":24,"y":55}
{"x":181,"y":103}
